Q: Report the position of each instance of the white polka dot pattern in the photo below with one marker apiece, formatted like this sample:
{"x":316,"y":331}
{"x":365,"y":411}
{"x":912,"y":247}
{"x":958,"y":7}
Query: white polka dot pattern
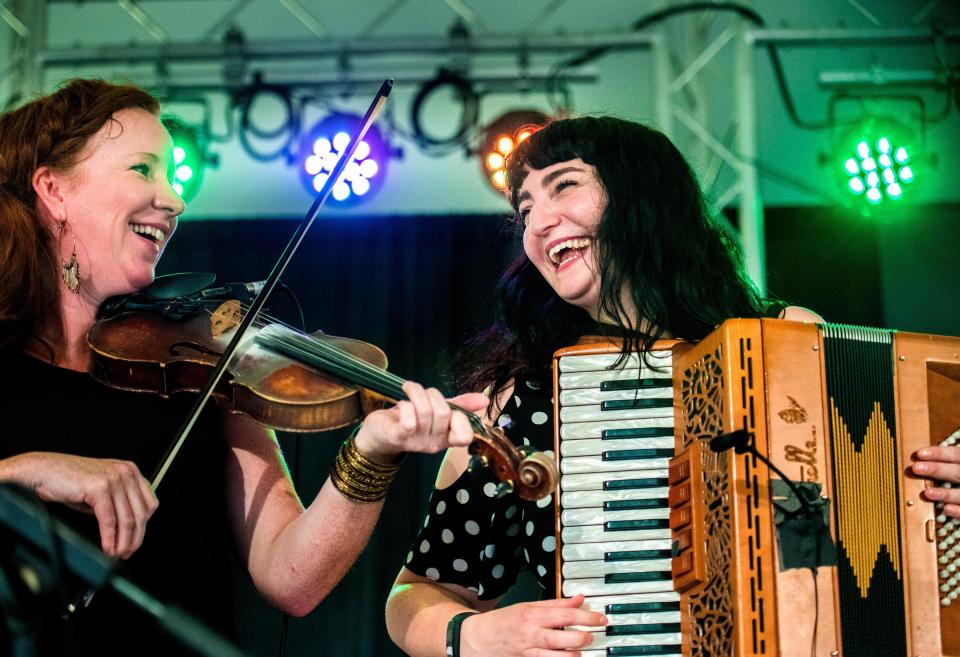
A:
{"x":475,"y":540}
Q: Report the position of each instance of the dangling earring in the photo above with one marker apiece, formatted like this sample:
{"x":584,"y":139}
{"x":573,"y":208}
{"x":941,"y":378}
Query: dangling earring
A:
{"x":69,"y":270}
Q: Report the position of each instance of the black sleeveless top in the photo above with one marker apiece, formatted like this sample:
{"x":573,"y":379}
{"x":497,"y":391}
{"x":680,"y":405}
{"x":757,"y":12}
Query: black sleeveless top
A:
{"x":183,"y":559}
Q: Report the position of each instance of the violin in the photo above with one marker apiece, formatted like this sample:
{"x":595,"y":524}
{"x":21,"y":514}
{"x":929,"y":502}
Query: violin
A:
{"x":168,"y":337}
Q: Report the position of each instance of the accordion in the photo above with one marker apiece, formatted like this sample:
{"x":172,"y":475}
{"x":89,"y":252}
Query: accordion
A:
{"x":809,"y":537}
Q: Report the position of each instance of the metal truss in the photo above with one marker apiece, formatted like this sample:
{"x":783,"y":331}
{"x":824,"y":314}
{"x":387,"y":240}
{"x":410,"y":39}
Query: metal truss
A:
{"x":681,"y":67}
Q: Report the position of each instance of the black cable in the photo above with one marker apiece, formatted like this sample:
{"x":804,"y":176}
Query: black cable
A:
{"x":296,"y":303}
{"x":290,"y":127}
{"x":742,"y":442}
{"x":470,"y":104}
{"x":742,"y":10}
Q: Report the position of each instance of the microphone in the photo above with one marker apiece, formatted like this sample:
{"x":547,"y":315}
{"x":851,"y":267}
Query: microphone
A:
{"x":242,"y":291}
{"x":741,"y":441}
{"x":809,"y":519}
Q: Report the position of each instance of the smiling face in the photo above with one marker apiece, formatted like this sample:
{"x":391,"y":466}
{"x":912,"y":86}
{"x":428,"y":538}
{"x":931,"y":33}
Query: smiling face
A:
{"x":119,"y":205}
{"x":561,"y":206}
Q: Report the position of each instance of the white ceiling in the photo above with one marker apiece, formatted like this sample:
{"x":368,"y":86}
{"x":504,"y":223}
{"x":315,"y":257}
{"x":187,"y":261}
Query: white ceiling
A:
{"x":623,"y":81}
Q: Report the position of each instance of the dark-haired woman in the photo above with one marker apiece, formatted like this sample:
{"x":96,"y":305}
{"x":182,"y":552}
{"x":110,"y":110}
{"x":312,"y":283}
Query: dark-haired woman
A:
{"x":86,"y":209}
{"x":617,"y":240}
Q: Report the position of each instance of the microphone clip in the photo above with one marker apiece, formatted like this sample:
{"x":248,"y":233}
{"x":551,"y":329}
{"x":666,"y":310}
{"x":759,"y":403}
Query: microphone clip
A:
{"x":803,"y":534}
{"x":740,"y":440}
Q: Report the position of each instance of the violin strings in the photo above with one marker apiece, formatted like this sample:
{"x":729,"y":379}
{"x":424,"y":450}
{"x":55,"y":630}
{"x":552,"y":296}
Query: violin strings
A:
{"x":351,"y":367}
{"x":361,"y":366}
{"x":330,"y":350}
{"x":331,"y":358}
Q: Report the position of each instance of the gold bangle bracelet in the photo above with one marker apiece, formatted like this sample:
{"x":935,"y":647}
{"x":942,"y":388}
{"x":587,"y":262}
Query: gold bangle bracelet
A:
{"x":357,"y":477}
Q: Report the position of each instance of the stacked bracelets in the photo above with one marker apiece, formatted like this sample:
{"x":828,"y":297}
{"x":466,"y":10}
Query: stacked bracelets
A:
{"x":357,"y":477}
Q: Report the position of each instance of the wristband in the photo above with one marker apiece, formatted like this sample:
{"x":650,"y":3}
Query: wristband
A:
{"x":453,"y":632}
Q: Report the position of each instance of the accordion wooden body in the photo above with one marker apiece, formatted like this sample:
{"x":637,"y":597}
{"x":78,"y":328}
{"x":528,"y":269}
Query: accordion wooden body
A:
{"x":711,"y":552}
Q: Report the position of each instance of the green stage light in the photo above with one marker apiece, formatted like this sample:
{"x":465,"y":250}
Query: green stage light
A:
{"x":189,"y":158}
{"x":876,"y":160}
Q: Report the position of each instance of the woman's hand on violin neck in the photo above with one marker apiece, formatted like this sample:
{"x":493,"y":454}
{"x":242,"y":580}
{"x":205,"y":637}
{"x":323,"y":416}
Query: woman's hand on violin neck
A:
{"x":530,"y":629}
{"x":422,"y":423}
{"x":113,"y":491}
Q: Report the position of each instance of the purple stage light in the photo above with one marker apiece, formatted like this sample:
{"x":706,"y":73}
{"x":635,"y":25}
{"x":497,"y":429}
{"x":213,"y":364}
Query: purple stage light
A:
{"x":323,"y":145}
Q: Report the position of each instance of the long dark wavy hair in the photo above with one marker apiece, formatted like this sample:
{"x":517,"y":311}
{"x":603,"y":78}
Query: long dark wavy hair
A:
{"x":656,"y":239}
{"x":52,"y":131}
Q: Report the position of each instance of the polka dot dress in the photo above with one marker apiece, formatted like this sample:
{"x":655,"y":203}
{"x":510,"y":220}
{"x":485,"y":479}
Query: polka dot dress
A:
{"x":482,"y":543}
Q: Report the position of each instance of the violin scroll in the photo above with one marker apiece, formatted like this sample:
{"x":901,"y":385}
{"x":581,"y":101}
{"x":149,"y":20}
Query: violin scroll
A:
{"x":537,"y":474}
{"x":532,"y":476}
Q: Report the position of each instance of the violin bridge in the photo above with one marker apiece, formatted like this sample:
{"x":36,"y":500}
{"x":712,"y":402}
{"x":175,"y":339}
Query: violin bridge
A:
{"x":225,"y":318}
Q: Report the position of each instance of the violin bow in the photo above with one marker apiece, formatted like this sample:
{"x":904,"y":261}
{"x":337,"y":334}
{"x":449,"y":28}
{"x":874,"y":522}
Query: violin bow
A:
{"x":258,"y":302}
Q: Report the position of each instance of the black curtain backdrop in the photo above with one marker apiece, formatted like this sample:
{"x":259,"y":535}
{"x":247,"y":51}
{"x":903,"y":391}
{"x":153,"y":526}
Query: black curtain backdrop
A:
{"x":418,"y":286}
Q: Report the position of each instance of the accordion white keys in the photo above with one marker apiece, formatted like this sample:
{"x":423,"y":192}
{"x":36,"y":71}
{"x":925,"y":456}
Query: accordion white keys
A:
{"x":614,"y":431}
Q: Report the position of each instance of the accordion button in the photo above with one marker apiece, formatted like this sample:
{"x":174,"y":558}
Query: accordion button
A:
{"x":679,"y":470}
{"x":680,"y":517}
{"x":678,"y":495}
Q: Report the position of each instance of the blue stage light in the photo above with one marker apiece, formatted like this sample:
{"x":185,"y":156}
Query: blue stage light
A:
{"x":322,"y":147}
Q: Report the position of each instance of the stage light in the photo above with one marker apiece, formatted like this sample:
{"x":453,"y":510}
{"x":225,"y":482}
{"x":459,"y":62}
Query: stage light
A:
{"x":445,"y":82}
{"x":189,"y":158}
{"x":501,"y":138}
{"x":322,"y":147}
{"x":876,"y":158}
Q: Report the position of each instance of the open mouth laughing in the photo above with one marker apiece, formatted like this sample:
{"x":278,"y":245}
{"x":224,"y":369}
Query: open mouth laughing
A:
{"x":149,"y":233}
{"x":566,"y":250}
